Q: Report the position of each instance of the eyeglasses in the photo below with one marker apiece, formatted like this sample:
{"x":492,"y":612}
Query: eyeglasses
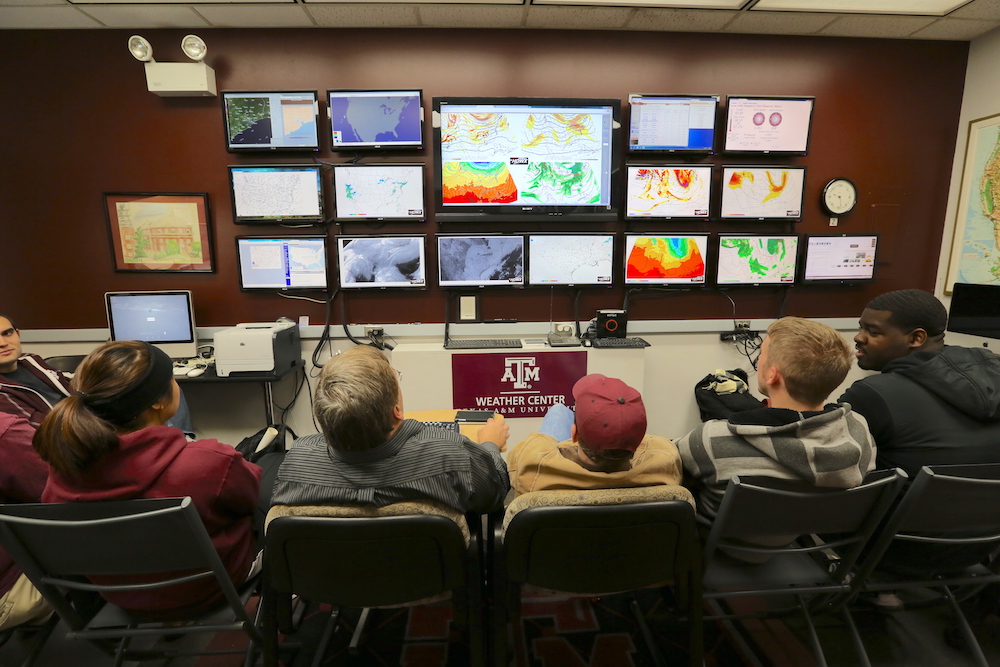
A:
{"x":399,"y":374}
{"x":8,"y":333}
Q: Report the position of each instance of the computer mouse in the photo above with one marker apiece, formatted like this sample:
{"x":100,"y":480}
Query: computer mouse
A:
{"x":195,"y":372}
{"x":585,"y":342}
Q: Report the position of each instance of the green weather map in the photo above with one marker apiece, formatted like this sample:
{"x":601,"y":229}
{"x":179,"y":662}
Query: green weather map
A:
{"x":243,"y":112}
{"x":764,"y":259}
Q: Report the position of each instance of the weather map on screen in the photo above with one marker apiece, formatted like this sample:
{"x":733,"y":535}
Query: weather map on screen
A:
{"x":755,"y":260}
{"x":664,"y":260}
{"x":570,"y":259}
{"x":379,"y":191}
{"x":480,"y":261}
{"x":381,"y":261}
{"x":763,"y":192}
{"x":276,"y":193}
{"x":768,"y":124}
{"x":375,"y":119}
{"x":668,"y":191}
{"x":275,"y":120}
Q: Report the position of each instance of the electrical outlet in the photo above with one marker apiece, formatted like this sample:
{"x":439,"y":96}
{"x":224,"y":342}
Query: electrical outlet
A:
{"x":742,"y":324}
{"x":374,"y":331}
{"x":563,"y":328}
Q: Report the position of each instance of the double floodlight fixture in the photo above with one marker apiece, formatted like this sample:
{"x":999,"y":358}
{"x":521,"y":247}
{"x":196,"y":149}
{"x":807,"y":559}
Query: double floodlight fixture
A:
{"x":194,"y":79}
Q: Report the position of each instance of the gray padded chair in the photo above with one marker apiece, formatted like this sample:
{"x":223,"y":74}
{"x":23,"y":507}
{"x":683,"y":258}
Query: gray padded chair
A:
{"x":67,"y":363}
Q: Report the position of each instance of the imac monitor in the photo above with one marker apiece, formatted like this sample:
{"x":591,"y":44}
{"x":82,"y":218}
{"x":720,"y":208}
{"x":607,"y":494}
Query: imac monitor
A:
{"x":276,"y":194}
{"x":381,"y":261}
{"x":480,"y":261}
{"x":668,"y":191}
{"x":379,"y":192}
{"x":677,"y":259}
{"x":375,"y":119}
{"x":975,"y":310}
{"x":570,"y":259}
{"x":525,"y":159}
{"x":846,"y":258}
{"x":672,"y":123}
{"x":270,"y":120}
{"x":756,"y":260}
{"x":768,"y":124}
{"x":763,"y":193}
{"x":163,"y":319}
{"x":282,"y":263}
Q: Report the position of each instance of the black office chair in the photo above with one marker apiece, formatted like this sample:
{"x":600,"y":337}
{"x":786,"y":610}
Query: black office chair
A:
{"x":771,"y":521}
{"x":59,"y":545}
{"x":599,"y":542}
{"x":67,"y":362}
{"x":364,"y":557}
{"x":942,"y":534}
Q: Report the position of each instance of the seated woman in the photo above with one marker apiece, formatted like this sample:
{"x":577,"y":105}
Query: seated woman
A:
{"x":107,"y":441}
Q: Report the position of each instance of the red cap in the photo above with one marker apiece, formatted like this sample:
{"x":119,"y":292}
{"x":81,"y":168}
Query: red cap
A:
{"x":609,"y":413}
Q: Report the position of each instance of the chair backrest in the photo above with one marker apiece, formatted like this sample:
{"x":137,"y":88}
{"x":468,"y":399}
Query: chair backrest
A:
{"x":578,"y":542}
{"x":67,"y":362}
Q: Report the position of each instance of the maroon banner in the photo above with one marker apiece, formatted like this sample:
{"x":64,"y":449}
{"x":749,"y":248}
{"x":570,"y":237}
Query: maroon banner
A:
{"x":515,"y":384}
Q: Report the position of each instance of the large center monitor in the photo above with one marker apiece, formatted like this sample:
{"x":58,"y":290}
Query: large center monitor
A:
{"x":571,"y":259}
{"x":375,"y":119}
{"x":668,"y":191}
{"x":756,"y":259}
{"x":374,"y":192}
{"x":768,"y":124}
{"x":164,"y":319}
{"x":480,"y":261}
{"x":282,"y":263}
{"x":525,"y":159}
{"x":763,"y":193}
{"x":277,"y":193}
{"x":674,"y":259}
{"x":843,"y":259}
{"x":270,"y":120}
{"x":377,"y":262}
{"x":672,"y":123}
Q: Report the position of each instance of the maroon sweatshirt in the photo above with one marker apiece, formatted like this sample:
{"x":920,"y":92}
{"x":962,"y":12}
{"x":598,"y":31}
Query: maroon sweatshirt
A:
{"x":22,"y":478}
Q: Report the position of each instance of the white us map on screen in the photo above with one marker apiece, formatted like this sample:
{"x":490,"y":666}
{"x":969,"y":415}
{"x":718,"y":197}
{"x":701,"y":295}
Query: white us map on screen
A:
{"x":274,"y":194}
{"x":376,"y":192}
{"x":571,"y":259}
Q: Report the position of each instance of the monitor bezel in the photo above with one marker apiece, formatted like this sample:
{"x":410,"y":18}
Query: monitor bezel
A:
{"x":614,"y":253}
{"x":961,"y":299}
{"x":502,"y":213}
{"x":475,"y":285}
{"x":671,"y":151}
{"x":283,"y":237}
{"x":378,"y":165}
{"x":761,"y":167}
{"x":793,"y":98}
{"x":371,"y":145}
{"x":718,"y":259}
{"x":803,"y":260}
{"x":711,"y":186}
{"x":295,"y":219}
{"x":626,"y":244}
{"x":378,"y":286}
{"x":175,"y":349}
{"x":226,"y":95}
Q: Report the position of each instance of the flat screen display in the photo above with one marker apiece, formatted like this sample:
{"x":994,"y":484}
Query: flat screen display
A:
{"x":276,"y":193}
{"x":675,"y":259}
{"x":672,"y":123}
{"x":270,"y":120}
{"x":377,"y":262}
{"x":282,"y":262}
{"x":845,"y":258}
{"x":768,"y":124}
{"x":375,"y":119}
{"x":668,"y":191}
{"x":379,"y":192}
{"x":164,"y":319}
{"x":480,"y":261}
{"x":756,"y":260}
{"x":529,"y":159}
{"x":763,"y":193}
{"x":570,"y":259}
{"x":975,"y":310}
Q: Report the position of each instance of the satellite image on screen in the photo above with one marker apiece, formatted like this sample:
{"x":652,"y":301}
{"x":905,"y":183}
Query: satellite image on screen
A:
{"x":385,"y":262}
{"x":481,"y":260}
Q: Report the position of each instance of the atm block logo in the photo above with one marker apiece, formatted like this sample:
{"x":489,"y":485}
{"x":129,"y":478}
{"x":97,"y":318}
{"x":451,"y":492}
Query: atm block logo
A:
{"x":515,"y":384}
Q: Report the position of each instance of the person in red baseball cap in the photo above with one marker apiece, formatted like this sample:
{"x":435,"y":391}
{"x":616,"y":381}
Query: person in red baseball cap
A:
{"x":603,"y":444}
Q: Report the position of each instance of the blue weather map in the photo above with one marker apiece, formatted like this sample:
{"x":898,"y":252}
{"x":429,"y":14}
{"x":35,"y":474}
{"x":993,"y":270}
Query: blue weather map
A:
{"x":379,"y":119}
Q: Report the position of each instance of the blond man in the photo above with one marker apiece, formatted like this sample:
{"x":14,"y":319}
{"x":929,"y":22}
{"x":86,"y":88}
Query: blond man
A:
{"x":795,"y":436}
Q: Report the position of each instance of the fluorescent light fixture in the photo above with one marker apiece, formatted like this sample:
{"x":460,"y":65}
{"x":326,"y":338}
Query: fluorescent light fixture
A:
{"x":671,"y":4}
{"x":908,"y":7}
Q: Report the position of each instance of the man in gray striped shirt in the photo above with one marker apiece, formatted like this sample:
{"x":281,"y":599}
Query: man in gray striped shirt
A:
{"x":368,"y":454}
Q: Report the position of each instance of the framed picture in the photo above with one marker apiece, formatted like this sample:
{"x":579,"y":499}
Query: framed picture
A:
{"x":159,"y":231}
{"x":975,"y":246}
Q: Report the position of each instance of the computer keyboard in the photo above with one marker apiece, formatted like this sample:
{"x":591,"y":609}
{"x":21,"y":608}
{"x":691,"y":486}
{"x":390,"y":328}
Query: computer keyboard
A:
{"x":448,"y":426}
{"x":619,"y":342}
{"x":482,"y":343}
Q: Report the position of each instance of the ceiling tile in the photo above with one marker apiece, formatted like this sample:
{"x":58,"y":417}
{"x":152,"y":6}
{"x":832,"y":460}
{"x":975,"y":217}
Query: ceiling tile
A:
{"x":960,"y":29}
{"x":256,"y":16}
{"x":29,"y":3}
{"x":979,"y":9}
{"x":779,"y":23}
{"x":45,"y":17}
{"x":578,"y":18}
{"x":472,"y":16}
{"x":363,"y":16}
{"x":671,"y":4}
{"x":679,"y":20}
{"x":145,"y":16}
{"x":876,"y":26}
{"x":922,"y":7}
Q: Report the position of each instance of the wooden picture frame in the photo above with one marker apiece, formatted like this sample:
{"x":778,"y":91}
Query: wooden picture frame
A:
{"x":160,"y":231}
{"x":975,"y":242}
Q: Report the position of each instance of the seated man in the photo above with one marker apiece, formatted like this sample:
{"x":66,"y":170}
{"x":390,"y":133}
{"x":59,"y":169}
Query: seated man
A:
{"x":604,"y":447}
{"x":367,"y":454}
{"x":932,"y":403}
{"x":796,"y":436}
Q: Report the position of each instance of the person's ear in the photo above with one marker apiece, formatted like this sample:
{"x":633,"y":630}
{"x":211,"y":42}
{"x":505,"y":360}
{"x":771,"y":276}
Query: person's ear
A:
{"x":771,"y":375}
{"x":397,"y":412}
{"x":572,"y":433}
{"x":918,"y":337}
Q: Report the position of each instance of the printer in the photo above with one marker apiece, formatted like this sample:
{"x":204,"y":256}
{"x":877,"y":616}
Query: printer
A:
{"x":259,"y":347}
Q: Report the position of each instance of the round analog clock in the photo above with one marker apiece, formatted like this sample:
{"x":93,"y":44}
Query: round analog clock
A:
{"x":839,"y":196}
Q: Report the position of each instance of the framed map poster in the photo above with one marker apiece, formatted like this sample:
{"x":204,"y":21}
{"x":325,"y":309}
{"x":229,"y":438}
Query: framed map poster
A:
{"x":159,"y":231}
{"x":975,"y":246}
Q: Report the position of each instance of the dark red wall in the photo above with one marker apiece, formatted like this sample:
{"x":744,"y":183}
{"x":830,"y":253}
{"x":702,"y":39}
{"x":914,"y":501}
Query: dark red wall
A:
{"x":77,"y":121}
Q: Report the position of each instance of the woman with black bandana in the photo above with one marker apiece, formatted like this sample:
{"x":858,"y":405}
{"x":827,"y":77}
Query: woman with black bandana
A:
{"x":107,"y":441}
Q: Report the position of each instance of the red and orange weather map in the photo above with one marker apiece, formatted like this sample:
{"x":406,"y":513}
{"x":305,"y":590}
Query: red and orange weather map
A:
{"x":675,"y":257}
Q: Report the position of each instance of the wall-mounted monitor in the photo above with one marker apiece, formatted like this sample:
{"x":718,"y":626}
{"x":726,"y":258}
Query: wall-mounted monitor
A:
{"x":277,"y":120}
{"x":975,"y":310}
{"x":571,"y":259}
{"x":476,"y":260}
{"x":164,"y":319}
{"x":768,"y":124}
{"x":746,"y":259}
{"x":842,"y":258}
{"x":672,"y":123}
{"x":372,"y":192}
{"x":762,"y":193}
{"x":665,"y":259}
{"x":375,"y":119}
{"x":285,"y":193}
{"x":681,"y":191}
{"x":378,"y":262}
{"x":282,"y":263}
{"x":525,"y":159}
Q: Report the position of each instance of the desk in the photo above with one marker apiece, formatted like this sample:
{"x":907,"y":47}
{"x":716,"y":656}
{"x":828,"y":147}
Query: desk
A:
{"x":468,"y":429}
{"x":265,"y":380}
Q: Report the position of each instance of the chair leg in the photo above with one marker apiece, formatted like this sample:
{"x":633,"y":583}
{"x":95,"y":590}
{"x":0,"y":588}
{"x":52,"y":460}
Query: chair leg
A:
{"x":352,"y":648}
{"x":813,"y":637}
{"x":329,"y":629}
{"x":647,"y":636}
{"x":970,"y":637}
{"x":859,"y":645}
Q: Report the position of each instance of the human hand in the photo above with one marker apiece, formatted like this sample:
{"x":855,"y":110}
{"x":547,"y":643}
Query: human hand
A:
{"x":495,"y":431}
